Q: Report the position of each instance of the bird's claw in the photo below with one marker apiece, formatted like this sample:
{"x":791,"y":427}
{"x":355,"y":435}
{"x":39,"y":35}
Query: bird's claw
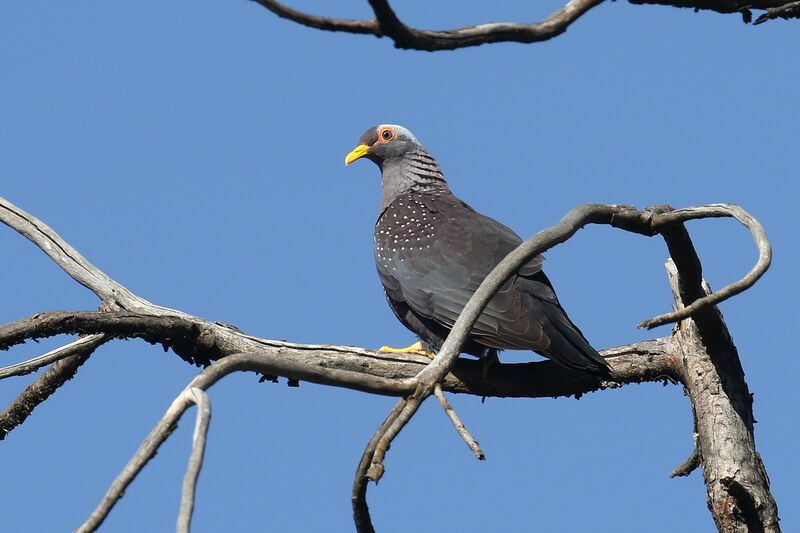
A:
{"x":414,"y":348}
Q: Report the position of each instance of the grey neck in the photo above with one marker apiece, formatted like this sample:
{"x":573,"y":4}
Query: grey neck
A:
{"x":415,"y":171}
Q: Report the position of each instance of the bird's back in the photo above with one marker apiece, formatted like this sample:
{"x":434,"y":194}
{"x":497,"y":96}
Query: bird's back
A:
{"x":432,"y":252}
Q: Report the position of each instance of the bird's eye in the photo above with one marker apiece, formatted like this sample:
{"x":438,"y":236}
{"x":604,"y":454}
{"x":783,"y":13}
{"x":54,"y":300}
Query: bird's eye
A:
{"x":387,"y":134}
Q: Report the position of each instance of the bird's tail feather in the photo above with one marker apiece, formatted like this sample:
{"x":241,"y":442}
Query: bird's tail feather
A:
{"x":568,"y":346}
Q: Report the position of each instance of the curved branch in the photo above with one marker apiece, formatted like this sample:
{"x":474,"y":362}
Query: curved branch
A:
{"x":668,"y":219}
{"x":198,"y":397}
{"x":320,"y":23}
{"x":411,"y":377}
{"x":654,"y":220}
{"x":386,"y":23}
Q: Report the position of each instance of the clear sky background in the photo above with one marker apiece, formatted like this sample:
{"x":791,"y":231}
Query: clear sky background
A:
{"x":194,"y":152}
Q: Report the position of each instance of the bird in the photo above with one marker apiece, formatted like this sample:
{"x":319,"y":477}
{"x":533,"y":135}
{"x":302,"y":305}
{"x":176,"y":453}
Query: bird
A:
{"x":432,"y":251}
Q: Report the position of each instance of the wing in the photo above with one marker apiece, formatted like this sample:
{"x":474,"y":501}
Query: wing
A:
{"x":434,"y":253}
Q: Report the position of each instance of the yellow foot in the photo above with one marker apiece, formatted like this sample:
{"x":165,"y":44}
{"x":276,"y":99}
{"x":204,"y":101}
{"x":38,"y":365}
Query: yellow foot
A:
{"x":414,"y":348}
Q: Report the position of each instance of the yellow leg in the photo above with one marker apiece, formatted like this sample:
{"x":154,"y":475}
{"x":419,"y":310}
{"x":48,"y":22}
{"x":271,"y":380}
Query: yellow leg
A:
{"x":414,"y":348}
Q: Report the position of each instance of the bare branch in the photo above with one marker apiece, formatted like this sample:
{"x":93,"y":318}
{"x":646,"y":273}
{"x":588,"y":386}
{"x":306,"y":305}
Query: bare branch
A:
{"x":386,"y":23}
{"x":361,"y":516}
{"x":321,"y":23}
{"x":200,"y":399}
{"x":112,"y":294}
{"x":688,"y":466}
{"x":708,"y":211}
{"x":411,"y":377}
{"x":161,"y":431}
{"x":45,"y":385}
{"x":31,"y":365}
{"x":790,"y":10}
{"x":460,"y":427}
{"x":736,"y":481}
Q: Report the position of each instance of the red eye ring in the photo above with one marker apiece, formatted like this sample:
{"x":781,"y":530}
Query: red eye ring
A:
{"x":386,"y":135}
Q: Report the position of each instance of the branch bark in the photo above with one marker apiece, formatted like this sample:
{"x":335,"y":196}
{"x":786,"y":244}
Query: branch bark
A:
{"x":736,"y":480}
{"x":701,"y":355}
{"x":386,"y":23}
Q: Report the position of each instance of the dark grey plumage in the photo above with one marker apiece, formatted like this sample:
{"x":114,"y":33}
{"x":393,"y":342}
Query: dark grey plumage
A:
{"x":432,"y":251}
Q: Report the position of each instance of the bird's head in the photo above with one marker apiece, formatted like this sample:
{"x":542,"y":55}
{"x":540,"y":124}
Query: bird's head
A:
{"x":384,"y":143}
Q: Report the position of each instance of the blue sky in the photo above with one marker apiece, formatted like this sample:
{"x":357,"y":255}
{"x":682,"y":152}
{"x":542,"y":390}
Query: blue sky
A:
{"x":194,"y":152}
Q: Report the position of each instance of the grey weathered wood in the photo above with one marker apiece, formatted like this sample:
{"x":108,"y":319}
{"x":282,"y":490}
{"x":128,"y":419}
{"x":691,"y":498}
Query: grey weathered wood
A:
{"x":701,"y":356}
{"x":386,"y":23}
{"x":736,"y":481}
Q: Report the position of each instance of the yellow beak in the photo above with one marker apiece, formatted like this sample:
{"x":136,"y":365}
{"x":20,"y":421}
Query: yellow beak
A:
{"x":360,"y":151}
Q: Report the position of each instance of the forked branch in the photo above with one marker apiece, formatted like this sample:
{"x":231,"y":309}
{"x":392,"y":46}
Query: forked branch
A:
{"x":413,"y":378}
{"x":387,"y":23}
{"x":651,"y":221}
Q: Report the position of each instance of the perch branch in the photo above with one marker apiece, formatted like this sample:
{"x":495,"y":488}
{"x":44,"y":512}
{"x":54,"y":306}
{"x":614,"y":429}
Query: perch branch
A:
{"x":201,"y":342}
{"x":649,"y":222}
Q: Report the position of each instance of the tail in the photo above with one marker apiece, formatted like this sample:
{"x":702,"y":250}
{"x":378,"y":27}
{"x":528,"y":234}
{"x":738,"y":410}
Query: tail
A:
{"x":568,"y":347}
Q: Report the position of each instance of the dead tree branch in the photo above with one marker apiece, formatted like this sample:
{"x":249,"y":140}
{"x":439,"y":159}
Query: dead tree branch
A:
{"x":790,"y":10}
{"x":705,"y":361}
{"x":651,"y":221}
{"x":66,"y":361}
{"x":387,"y":23}
{"x":736,"y":480}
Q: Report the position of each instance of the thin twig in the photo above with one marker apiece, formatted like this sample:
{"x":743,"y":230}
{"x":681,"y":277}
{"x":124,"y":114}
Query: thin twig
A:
{"x":158,"y":435}
{"x":688,"y":466}
{"x":200,"y":399}
{"x":45,"y":385}
{"x":31,"y":365}
{"x":459,"y":425}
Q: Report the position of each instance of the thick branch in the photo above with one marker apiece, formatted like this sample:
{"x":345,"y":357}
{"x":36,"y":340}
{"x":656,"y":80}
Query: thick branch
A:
{"x":356,"y":368}
{"x":658,"y":219}
{"x":412,"y":377}
{"x":736,"y":481}
{"x":789,"y":10}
